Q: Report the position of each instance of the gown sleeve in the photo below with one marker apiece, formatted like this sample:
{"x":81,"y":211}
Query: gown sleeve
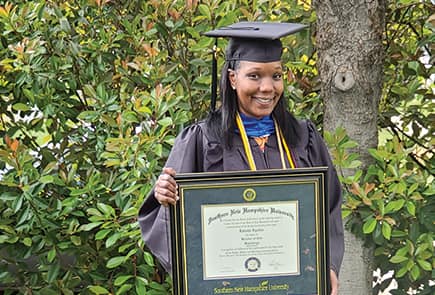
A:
{"x":319,"y":156}
{"x":185,"y":156}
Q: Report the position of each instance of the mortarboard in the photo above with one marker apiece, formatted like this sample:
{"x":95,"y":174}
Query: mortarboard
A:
{"x":251,"y":41}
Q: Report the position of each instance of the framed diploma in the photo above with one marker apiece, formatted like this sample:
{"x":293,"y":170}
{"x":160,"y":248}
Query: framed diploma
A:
{"x":256,"y":232}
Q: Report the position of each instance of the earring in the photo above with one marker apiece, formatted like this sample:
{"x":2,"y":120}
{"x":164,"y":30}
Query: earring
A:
{"x":234,"y":87}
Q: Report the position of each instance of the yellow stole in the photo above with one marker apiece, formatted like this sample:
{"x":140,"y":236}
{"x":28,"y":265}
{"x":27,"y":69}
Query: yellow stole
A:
{"x":281,"y":143}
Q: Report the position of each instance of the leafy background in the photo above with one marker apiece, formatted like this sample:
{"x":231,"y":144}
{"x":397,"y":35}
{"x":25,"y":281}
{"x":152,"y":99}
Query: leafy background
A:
{"x":93,"y":92}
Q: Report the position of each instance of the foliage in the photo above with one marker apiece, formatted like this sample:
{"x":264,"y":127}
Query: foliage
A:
{"x":92,"y":94}
{"x":391,"y":206}
{"x":407,"y":107}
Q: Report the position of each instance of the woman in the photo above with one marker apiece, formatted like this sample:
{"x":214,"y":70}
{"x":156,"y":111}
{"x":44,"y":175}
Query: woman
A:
{"x":252,"y":130}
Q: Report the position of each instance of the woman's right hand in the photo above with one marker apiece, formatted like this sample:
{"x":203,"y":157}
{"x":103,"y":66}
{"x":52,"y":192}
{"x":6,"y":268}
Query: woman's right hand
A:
{"x":165,"y":190}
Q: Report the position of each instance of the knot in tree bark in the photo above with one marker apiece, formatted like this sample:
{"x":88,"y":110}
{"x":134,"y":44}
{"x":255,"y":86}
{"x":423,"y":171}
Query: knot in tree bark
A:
{"x":344,"y":79}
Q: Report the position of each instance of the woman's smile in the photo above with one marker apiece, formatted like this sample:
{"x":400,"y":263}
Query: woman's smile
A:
{"x":263,"y":100}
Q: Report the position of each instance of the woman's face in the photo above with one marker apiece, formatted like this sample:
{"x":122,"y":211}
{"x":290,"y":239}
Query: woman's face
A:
{"x":259,"y":87}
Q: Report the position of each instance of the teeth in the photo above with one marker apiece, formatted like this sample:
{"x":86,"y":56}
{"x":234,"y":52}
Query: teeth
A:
{"x":264,"y":99}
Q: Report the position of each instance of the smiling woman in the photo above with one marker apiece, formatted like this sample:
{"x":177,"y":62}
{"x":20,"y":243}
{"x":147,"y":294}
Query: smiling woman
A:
{"x":252,"y":130}
{"x":259,"y":87}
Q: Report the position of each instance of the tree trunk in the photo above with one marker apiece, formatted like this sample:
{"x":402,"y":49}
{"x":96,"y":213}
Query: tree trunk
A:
{"x":349,"y":41}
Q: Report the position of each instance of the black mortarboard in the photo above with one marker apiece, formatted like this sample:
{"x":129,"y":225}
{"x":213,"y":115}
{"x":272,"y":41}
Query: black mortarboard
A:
{"x":252,"y":41}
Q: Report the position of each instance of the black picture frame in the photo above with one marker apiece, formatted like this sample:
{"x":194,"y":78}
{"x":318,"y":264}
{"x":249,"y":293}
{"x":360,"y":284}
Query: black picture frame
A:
{"x":233,"y":231}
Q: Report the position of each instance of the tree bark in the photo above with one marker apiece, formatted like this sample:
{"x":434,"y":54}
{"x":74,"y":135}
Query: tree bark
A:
{"x":351,"y":56}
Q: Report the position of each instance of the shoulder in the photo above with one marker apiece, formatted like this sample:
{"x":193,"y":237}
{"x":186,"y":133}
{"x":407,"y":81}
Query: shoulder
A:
{"x":307,"y":132}
{"x":198,"y":133}
{"x":192,"y":131}
{"x":315,"y":145}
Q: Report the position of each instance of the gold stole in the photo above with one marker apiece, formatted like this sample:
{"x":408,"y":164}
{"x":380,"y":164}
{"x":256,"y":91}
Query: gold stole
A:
{"x":281,"y":143}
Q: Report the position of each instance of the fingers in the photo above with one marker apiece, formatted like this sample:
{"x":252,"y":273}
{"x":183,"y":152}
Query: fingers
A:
{"x":169,"y":170}
{"x":165,"y":190}
{"x":334,"y":283}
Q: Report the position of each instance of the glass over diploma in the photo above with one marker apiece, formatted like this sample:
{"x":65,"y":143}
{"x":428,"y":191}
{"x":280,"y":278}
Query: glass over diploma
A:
{"x":248,"y":240}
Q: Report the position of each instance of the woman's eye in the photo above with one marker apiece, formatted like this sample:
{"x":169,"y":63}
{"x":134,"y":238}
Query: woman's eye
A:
{"x":253,"y":76}
{"x":277,"y":76}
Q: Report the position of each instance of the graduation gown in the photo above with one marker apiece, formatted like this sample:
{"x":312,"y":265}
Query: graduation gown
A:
{"x":195,"y":150}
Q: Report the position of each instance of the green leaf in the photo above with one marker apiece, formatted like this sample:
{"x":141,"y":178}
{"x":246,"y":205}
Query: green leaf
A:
{"x":410,"y":264}
{"x":370,"y":225}
{"x":130,"y":117}
{"x":51,"y":254}
{"x":122,"y":279}
{"x":424,"y":265}
{"x":89,"y":116}
{"x":76,"y":240}
{"x":17,"y":203}
{"x":115,"y":261}
{"x":398,"y":234}
{"x":27,"y":241}
{"x":98,"y":290}
{"x":148,"y":258}
{"x":112,"y":240}
{"x":112,"y":162}
{"x":21,"y":107}
{"x":165,"y":122}
{"x":46,"y":179}
{"x":93,"y":211}
{"x":403,"y":251}
{"x":4,"y":239}
{"x":125,"y":288}
{"x":378,"y":155}
{"x":125,"y":246}
{"x":107,"y":210}
{"x":410,"y":207}
{"x":8,"y":196}
{"x":414,"y":66}
{"x":132,"y":211}
{"x":90,"y":91}
{"x":102,"y":234}
{"x":386,"y":230}
{"x":394,"y":206}
{"x":412,"y":188}
{"x":89,"y":226}
{"x":398,"y":259}
{"x":354,"y":164}
{"x":415,"y":272}
{"x":64,"y":25}
{"x":101,"y":92}
{"x":140,"y":285}
{"x":205,"y":10}
{"x":401,"y":272}
{"x":53,"y":272}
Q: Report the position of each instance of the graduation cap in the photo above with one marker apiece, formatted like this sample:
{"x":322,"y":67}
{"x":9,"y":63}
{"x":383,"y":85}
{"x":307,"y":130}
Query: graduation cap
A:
{"x":251,"y":41}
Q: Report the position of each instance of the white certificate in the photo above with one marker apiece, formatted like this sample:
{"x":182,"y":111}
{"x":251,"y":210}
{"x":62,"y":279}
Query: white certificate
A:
{"x":250,"y":240}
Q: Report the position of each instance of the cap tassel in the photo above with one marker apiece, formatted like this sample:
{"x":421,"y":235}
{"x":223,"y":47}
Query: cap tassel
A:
{"x":214,"y":79}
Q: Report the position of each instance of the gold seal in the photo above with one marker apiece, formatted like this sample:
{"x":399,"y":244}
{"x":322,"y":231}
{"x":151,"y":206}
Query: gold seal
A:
{"x":249,"y":194}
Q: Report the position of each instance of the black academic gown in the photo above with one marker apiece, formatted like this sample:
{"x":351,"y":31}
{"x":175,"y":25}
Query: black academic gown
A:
{"x":195,"y":150}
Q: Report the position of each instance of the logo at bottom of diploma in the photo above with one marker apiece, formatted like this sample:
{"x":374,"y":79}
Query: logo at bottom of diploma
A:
{"x":252,"y":264}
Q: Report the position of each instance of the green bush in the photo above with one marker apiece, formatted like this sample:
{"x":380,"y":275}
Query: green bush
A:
{"x":92,"y":95}
{"x":391,"y":206}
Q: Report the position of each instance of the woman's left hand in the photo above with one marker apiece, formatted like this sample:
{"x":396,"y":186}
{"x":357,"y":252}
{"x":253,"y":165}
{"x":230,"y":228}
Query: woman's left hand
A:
{"x":334,"y":283}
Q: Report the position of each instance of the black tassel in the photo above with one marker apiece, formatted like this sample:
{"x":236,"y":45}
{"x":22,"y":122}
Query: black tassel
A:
{"x":214,"y":79}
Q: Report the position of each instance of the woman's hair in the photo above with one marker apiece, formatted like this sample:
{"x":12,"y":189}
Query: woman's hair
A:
{"x":222,"y":123}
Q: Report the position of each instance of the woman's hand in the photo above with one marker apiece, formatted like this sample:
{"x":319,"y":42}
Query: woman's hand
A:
{"x":334,"y":283}
{"x":165,"y":190}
